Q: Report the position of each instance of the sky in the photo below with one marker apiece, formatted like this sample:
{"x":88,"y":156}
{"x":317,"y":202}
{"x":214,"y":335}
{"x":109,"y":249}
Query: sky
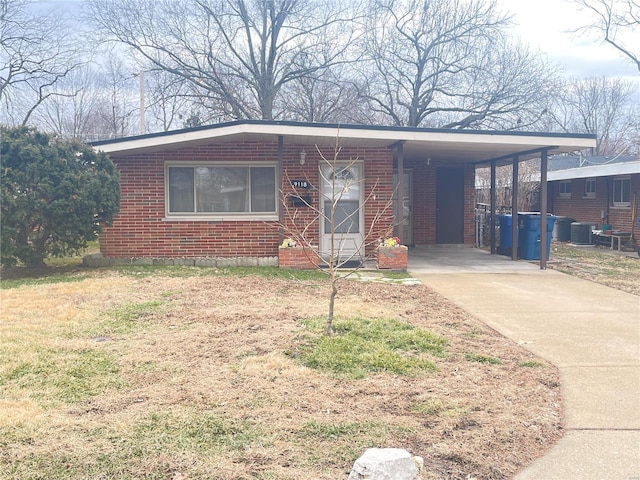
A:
{"x":545,"y":25}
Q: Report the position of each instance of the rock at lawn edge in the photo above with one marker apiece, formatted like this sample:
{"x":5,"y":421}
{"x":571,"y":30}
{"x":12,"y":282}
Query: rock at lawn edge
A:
{"x":386,"y":464}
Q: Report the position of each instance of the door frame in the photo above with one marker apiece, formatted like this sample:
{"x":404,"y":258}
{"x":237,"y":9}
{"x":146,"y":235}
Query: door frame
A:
{"x":357,"y":239}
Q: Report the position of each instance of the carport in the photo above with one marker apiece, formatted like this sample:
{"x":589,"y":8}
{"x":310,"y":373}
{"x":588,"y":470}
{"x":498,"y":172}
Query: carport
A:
{"x":485,"y":148}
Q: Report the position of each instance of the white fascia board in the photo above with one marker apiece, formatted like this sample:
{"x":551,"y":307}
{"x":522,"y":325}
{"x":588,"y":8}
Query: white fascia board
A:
{"x":169,"y":140}
{"x":611,"y":169}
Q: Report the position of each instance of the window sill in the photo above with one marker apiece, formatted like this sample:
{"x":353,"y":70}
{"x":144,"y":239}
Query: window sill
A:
{"x":221,"y":218}
{"x":623,"y":206}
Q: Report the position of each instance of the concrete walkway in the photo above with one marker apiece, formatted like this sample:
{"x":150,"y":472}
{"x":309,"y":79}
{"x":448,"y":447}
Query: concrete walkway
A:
{"x":591,"y":332}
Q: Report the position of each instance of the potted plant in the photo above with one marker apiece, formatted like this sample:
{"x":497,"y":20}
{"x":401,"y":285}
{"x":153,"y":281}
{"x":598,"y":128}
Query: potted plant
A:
{"x":292,"y":255}
{"x":391,"y":255}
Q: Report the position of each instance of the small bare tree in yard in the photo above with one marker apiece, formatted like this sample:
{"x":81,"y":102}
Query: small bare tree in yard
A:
{"x":342,"y":197}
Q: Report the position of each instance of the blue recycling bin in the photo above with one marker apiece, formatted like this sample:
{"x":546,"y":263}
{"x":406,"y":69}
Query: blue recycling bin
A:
{"x":505,"y":222}
{"x":529,"y":234}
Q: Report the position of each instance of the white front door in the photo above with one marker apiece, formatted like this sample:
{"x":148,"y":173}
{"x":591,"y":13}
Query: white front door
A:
{"x":343,"y":219}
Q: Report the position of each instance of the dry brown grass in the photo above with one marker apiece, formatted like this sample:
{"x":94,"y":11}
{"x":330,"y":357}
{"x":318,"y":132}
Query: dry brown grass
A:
{"x":205,"y":387}
{"x":599,"y":265}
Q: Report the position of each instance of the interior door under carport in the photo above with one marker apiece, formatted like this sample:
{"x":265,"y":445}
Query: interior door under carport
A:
{"x":449,"y":205}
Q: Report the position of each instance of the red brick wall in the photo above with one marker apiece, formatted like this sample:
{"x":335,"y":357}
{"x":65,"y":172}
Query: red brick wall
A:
{"x":469,"y":205}
{"x":141,"y":229}
{"x":584,"y":209}
{"x":424,"y":202}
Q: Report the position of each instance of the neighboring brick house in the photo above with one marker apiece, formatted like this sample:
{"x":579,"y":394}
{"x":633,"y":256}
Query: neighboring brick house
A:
{"x":601,"y":190}
{"x":218,"y":191}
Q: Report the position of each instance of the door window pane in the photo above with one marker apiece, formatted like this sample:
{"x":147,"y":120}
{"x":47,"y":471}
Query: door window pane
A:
{"x":346,"y":217}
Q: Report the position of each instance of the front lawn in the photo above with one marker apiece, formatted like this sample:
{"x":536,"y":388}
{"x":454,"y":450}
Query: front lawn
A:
{"x":174,"y":373}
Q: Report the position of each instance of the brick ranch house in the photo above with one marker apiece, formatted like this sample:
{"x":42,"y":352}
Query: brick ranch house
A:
{"x":598,"y":190}
{"x":217,"y":192}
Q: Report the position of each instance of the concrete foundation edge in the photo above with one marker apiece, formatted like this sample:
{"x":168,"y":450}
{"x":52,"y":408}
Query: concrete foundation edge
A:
{"x":97,"y":260}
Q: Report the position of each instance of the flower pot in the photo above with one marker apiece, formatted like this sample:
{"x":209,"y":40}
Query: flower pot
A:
{"x":392,"y":258}
{"x":297,"y":258}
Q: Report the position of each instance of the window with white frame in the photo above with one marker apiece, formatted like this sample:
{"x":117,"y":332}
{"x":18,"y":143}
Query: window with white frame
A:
{"x":621,"y":191}
{"x":564,"y":189}
{"x":214,"y":189}
{"x":590,"y":187}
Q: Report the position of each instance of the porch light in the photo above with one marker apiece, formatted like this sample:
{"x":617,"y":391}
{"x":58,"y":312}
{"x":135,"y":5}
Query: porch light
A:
{"x":303,"y":156}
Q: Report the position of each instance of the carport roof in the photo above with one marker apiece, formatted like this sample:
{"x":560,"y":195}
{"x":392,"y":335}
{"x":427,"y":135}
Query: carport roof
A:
{"x":452,"y":146}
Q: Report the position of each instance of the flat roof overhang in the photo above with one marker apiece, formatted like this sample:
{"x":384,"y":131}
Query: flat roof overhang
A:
{"x":593,"y":171}
{"x":419,"y":144}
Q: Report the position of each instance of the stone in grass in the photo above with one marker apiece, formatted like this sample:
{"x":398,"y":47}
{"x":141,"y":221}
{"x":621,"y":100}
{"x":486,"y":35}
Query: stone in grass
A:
{"x":386,"y":464}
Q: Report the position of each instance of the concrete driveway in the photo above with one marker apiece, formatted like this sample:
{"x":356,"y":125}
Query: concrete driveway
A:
{"x":591,"y":332}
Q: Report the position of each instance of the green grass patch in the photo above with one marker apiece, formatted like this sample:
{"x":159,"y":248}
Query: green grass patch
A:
{"x":241,"y":272}
{"x":332,"y":431}
{"x":437,"y":407}
{"x":56,"y":376}
{"x":360,"y":346}
{"x":17,"y":279}
{"x":395,"y":275}
{"x":188,"y":429}
{"x":531,"y":364}
{"x":126,"y":319}
{"x":488,"y":359}
{"x":151,"y":448}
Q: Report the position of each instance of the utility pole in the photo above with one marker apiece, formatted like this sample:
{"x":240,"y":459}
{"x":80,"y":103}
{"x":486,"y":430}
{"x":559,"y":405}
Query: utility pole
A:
{"x":141,"y":78}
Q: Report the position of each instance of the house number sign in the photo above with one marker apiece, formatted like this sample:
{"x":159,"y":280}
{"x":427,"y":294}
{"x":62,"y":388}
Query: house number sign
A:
{"x":299,"y":184}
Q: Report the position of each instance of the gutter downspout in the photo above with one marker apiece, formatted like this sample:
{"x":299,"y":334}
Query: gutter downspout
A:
{"x":281,"y":189}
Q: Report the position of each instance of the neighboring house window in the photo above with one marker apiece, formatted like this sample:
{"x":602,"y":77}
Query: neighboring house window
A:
{"x":590,"y":187}
{"x":622,"y":191}
{"x":221,"y":190}
{"x":565,"y":189}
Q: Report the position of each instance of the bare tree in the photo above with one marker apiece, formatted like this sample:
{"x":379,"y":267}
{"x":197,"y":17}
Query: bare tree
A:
{"x":618,"y":22}
{"x":447,"y":63}
{"x":240,"y":53}
{"x":73,"y":111}
{"x":600,"y":106}
{"x":528,"y":185}
{"x":36,"y":51}
{"x":335,"y":194}
{"x":326,"y":97}
{"x":169,"y":99}
{"x":118,"y":108}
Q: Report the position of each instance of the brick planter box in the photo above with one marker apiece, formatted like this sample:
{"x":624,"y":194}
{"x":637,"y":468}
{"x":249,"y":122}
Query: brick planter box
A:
{"x":392,"y":258}
{"x":297,"y":258}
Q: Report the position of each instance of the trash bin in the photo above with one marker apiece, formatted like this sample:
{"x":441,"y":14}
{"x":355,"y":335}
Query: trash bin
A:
{"x":505,"y":221}
{"x":529,"y":234}
{"x":562,"y":229}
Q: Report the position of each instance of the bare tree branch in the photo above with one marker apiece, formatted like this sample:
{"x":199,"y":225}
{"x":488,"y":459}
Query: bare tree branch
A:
{"x":37,"y":51}
{"x":618,"y":22}
{"x":239,"y":52}
{"x":447,"y":63}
